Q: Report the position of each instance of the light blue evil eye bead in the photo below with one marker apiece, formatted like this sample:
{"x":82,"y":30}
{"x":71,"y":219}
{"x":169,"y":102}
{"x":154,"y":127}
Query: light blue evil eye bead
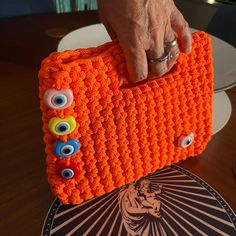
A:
{"x":185,"y":141}
{"x":65,"y":149}
{"x":67,"y":173}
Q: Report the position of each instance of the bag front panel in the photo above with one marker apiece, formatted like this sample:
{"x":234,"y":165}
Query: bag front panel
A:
{"x":124,"y":132}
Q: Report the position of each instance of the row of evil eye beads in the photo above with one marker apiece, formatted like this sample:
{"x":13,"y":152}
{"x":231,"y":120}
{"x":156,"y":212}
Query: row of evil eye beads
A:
{"x":61,"y":99}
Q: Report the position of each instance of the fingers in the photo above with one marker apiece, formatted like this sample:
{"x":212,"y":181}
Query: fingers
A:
{"x":135,"y":55}
{"x":136,"y":59}
{"x":156,"y":50}
{"x":161,"y":49}
{"x":172,"y":49}
{"x":180,"y":26}
{"x":142,"y":27}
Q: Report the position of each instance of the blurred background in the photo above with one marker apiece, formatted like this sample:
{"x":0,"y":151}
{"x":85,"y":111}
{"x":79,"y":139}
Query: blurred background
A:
{"x":10,"y":8}
{"x":214,"y":16}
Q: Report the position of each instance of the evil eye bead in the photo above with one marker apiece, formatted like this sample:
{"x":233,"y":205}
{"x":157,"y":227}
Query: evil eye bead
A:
{"x":67,"y":173}
{"x":185,"y":141}
{"x":62,"y":126}
{"x":65,"y":149}
{"x":58,"y":99}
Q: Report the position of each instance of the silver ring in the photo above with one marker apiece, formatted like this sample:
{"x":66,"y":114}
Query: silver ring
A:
{"x":166,"y":57}
{"x":171,"y":43}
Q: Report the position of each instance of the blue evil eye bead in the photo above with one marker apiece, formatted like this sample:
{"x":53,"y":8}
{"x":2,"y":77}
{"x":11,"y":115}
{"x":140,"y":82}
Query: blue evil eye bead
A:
{"x":58,"y":99}
{"x":66,"y":149}
{"x":67,"y":173}
{"x":185,"y":141}
{"x":62,"y":126}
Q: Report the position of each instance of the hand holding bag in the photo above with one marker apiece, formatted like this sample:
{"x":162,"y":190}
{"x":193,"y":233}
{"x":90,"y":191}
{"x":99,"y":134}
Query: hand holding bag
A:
{"x":101,"y":132}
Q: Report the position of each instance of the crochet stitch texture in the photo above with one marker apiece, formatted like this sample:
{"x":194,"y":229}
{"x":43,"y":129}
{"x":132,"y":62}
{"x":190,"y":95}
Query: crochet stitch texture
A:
{"x":124,"y":131}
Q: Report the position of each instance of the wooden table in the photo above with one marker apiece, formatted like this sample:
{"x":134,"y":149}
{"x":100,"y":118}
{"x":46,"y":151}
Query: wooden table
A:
{"x":25,"y":194}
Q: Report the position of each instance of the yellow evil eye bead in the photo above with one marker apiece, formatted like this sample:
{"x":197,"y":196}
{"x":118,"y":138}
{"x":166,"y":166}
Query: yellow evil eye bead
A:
{"x":62,"y":126}
{"x":185,"y":141}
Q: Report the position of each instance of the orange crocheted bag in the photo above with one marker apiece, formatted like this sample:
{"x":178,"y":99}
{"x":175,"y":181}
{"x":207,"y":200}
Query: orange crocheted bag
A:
{"x":101,"y":134}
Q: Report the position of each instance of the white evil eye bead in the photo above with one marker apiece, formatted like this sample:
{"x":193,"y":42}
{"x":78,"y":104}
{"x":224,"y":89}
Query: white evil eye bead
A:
{"x":62,"y":126}
{"x":185,"y":141}
{"x":65,"y":149}
{"x":58,"y":99}
{"x":67,"y":173}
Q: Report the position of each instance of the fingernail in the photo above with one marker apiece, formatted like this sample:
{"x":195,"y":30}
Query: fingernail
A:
{"x":139,"y":77}
{"x":188,"y":50}
{"x":135,"y":79}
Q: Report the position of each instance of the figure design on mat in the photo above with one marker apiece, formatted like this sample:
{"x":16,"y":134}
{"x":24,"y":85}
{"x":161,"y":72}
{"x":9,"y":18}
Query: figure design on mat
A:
{"x":140,"y":208}
{"x":149,"y":197}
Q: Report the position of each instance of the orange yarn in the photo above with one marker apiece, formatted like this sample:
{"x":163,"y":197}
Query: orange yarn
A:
{"x":125,"y":132}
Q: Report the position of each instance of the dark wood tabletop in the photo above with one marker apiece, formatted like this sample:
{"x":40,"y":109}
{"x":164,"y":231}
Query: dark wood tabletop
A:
{"x":25,"y":194}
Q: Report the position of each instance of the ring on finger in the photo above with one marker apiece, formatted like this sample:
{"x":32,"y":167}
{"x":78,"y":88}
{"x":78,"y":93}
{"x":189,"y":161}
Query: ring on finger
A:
{"x":166,"y":57}
{"x":170,"y":43}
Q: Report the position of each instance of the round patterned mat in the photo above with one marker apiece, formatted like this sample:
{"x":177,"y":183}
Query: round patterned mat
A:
{"x":171,"y":201}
